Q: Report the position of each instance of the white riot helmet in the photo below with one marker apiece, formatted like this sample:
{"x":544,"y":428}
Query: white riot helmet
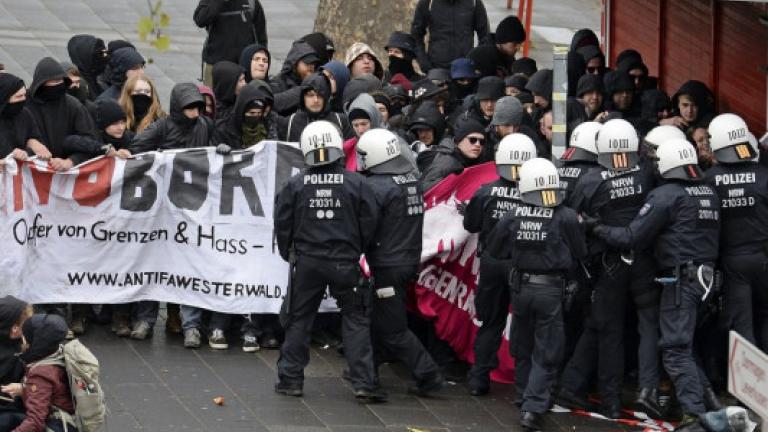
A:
{"x":729,"y":139}
{"x":677,"y":159}
{"x":540,"y":183}
{"x":378,"y":151}
{"x":321,"y":143}
{"x":583,"y":143}
{"x":514,"y":149}
{"x":658,"y":135}
{"x":617,"y":145}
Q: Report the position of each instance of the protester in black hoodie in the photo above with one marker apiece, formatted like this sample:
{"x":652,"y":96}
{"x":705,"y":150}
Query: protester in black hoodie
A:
{"x":255,"y":61}
{"x":299,"y":64}
{"x":124,"y":63}
{"x":620,"y":97}
{"x":401,"y":49}
{"x":231,"y":25}
{"x":314,"y":105}
{"x":184,"y":127}
{"x":453,"y":158}
{"x":692,"y":102}
{"x":252,"y":119}
{"x":113,"y":138}
{"x":13,"y":313}
{"x":58,"y":115}
{"x":427,"y":127}
{"x":89,"y":54}
{"x":228,"y":80}
{"x":18,"y":130}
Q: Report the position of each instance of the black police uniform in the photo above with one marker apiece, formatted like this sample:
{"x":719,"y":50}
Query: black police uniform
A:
{"x":743,"y":191}
{"x":394,"y":258}
{"x":543,"y":246}
{"x":488,"y":205}
{"x":681,"y":221}
{"x":615,"y":198}
{"x":327,"y":217}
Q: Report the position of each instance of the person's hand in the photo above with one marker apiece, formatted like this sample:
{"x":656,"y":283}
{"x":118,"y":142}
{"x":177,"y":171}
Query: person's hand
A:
{"x":19,"y":154}
{"x":40,"y":150}
{"x":601,"y":117}
{"x":676,"y":121}
{"x":59,"y":164}
{"x":223,"y":149}
{"x":123,"y":153}
{"x":589,"y":222}
{"x":109,"y":150}
{"x":13,"y":389}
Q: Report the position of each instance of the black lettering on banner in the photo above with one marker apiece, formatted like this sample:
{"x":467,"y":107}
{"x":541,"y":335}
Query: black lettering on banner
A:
{"x":189,"y":180}
{"x":139,"y":190}
{"x":231,"y":179}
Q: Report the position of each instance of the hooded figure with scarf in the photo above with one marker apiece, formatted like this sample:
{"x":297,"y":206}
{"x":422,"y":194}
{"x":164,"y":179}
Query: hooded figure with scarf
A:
{"x":58,"y":115}
{"x":18,"y":130}
{"x":89,"y":54}
{"x":245,"y":128}
{"x":12,"y":314}
{"x":286,"y":86}
{"x":315,"y":84}
{"x":122,"y":62}
{"x":45,"y":385}
{"x":178,"y":130}
{"x":228,"y":79}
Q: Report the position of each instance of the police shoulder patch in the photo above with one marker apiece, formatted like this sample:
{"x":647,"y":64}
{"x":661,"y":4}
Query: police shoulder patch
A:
{"x":645,"y":209}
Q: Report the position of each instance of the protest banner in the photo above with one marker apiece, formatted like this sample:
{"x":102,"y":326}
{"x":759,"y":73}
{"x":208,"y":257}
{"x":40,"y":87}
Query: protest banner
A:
{"x":190,"y":227}
{"x":446,"y":286}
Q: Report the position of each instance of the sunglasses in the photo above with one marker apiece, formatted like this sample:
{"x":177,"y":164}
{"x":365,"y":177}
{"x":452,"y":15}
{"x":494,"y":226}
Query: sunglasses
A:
{"x":593,"y":70}
{"x":476,"y":140}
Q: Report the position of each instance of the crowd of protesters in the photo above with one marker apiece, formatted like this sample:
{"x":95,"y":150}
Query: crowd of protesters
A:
{"x":450,"y":102}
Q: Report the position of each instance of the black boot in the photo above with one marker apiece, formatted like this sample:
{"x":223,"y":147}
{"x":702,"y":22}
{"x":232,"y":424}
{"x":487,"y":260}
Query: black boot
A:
{"x":648,"y":402}
{"x":530,"y":421}
{"x":711,"y":402}
{"x":571,"y":400}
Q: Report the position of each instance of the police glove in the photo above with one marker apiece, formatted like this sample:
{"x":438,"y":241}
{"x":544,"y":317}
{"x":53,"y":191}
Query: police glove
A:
{"x":223,"y":149}
{"x":589,"y":222}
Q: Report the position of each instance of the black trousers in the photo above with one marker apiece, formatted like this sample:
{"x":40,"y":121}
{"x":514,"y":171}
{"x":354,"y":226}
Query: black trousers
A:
{"x":537,"y":342}
{"x":600,"y":348}
{"x":492,"y":308}
{"x":298,"y":312}
{"x":389,"y":323}
{"x":746,"y":296}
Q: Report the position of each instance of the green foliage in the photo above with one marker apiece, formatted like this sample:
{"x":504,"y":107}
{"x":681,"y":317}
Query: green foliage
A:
{"x":152,"y":28}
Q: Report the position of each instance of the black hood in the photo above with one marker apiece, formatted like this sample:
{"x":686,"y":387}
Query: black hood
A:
{"x":247,"y":55}
{"x":11,"y":309}
{"x":582,"y":38}
{"x":298,"y":51}
{"x":82,"y":51}
{"x":701,"y":95}
{"x":428,"y":114}
{"x":264,"y":89}
{"x":9,"y":85}
{"x":44,"y":334}
{"x":247,"y":95}
{"x":47,"y":69}
{"x":616,"y":81}
{"x":184,"y":95}
{"x":225,"y":76}
{"x":322,"y":44}
{"x":319,"y":83}
{"x":541,"y":84}
{"x":121,"y":62}
{"x":653,"y":101}
{"x":486,"y":59}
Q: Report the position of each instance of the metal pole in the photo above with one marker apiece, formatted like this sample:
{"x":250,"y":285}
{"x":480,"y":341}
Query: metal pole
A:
{"x":559,"y":97}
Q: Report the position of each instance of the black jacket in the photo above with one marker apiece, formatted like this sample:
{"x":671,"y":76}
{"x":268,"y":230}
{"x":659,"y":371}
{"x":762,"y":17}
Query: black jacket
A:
{"x":488,"y":205}
{"x":225,"y":77}
{"x":119,"y":63}
{"x":286,"y":86}
{"x":451,"y":25}
{"x":15,"y":130}
{"x":231,"y":26}
{"x":61,"y":118}
{"x":230,"y":132}
{"x":169,"y":132}
{"x":338,"y":227}
{"x":82,"y":51}
{"x":295,"y":124}
{"x":448,"y":160}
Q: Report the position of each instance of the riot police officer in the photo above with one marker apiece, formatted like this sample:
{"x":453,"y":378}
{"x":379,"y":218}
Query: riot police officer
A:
{"x":657,"y":136}
{"x":580,"y":156}
{"x":395,"y":253}
{"x":325,"y":218}
{"x":614,"y":193}
{"x":742,"y":185}
{"x":681,"y":221}
{"x":543,"y":242}
{"x":488,"y":205}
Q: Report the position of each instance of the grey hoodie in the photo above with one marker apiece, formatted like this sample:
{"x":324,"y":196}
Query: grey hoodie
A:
{"x":366,"y":103}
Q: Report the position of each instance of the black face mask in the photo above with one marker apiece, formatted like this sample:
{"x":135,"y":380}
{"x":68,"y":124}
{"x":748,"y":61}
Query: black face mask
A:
{"x":141,"y":104}
{"x":80,"y":93}
{"x":251,"y":121}
{"x":183,"y":121}
{"x":100,"y":60}
{"x":400,"y":65}
{"x":11,"y":110}
{"x":461,"y":91}
{"x":51,"y":93}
